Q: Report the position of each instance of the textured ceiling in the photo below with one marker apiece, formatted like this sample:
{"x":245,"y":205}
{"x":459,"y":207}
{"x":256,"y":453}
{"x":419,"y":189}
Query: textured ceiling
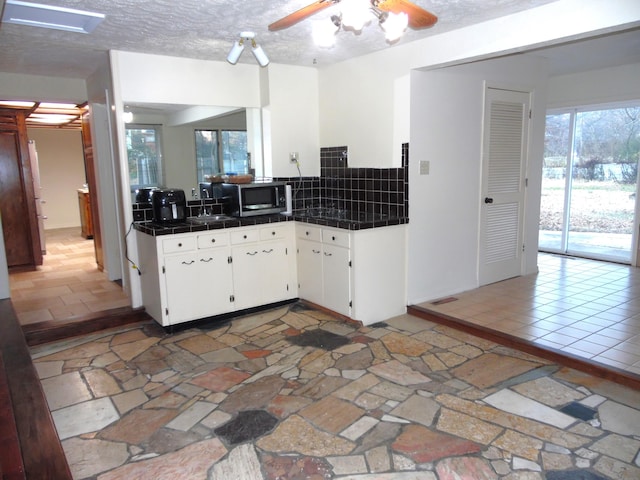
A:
{"x":206,"y":29}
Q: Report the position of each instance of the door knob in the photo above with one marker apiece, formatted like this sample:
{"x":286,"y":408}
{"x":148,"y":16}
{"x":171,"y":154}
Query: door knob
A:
{"x":488,"y":200}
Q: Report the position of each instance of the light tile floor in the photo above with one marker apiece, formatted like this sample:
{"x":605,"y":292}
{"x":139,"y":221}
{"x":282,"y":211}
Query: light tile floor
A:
{"x":293,"y":394}
{"x":67,"y":285}
{"x":587,"y":308}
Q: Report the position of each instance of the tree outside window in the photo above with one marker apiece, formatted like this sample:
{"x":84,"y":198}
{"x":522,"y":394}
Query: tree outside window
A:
{"x":221,"y":152}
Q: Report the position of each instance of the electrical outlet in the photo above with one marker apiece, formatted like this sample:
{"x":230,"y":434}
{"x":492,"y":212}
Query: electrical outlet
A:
{"x":424,"y":167}
{"x":293,"y":157}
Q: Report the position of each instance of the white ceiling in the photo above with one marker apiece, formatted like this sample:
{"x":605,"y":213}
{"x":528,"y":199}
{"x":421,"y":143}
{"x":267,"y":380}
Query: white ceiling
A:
{"x":206,"y":29}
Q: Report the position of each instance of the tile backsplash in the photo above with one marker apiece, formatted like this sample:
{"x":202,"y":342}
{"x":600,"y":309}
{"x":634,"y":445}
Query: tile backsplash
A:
{"x":381,"y":191}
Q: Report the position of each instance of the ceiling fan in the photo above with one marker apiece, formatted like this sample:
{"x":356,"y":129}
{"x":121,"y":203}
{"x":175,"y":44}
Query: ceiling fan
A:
{"x":418,"y":17}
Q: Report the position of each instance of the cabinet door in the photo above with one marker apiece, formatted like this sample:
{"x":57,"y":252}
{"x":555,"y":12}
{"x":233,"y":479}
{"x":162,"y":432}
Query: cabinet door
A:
{"x":198,"y":285}
{"x":215,"y":282}
{"x":260,"y":274}
{"x":274,"y":264}
{"x":310,"y":271}
{"x":336,"y":277}
{"x":181,"y":279}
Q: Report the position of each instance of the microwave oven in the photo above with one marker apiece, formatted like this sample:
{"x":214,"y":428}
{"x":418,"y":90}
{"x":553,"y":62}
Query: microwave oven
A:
{"x":250,"y":199}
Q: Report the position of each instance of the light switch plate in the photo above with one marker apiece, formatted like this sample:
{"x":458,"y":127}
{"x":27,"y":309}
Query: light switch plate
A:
{"x":424,"y":167}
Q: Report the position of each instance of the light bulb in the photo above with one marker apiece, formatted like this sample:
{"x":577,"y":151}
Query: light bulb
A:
{"x":127,"y":117}
{"x":235,"y":52}
{"x":259,"y":55}
{"x":394,"y":26}
{"x":356,"y":14}
{"x":324,"y":33}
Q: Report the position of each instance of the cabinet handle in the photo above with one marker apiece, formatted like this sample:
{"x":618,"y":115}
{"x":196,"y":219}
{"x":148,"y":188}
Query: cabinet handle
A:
{"x":315,"y":251}
{"x":328,"y":254}
{"x":213,"y":240}
{"x":244,"y":236}
{"x":187,"y":263}
{"x":180,"y":244}
{"x":333,"y":238}
{"x":252,"y":254}
{"x":273,"y":233}
{"x":267,"y":251}
{"x":306,"y":233}
{"x":206,"y":260}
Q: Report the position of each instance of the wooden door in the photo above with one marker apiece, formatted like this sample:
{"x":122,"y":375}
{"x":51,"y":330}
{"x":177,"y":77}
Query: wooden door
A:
{"x":17,"y":199}
{"x":92,"y":181}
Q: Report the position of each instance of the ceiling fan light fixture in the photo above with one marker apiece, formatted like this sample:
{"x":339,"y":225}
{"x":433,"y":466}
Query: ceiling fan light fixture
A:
{"x":394,"y":25}
{"x":356,"y":14}
{"x":324,"y":32}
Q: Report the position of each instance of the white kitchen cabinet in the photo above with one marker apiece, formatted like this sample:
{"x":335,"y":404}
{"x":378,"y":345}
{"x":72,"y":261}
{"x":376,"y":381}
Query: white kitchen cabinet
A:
{"x":360,"y":273}
{"x":324,"y":276}
{"x":198,"y":285}
{"x":336,"y":278}
{"x":310,"y":270}
{"x":260,"y":274}
{"x":196,"y":275}
{"x":263,"y":261}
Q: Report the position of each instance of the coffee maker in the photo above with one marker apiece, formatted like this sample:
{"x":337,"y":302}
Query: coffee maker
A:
{"x":169,"y":206}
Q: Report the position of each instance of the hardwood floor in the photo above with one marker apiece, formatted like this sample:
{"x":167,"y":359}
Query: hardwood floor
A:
{"x":67,"y":286}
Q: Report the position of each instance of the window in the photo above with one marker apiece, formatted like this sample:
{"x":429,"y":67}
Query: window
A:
{"x":144,"y":155}
{"x":221,"y":151}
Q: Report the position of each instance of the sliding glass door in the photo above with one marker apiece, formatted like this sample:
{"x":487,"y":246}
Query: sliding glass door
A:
{"x":589,"y":183}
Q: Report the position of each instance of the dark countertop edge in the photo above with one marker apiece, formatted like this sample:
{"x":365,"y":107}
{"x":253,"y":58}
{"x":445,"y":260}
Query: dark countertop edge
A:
{"x":156,"y":230}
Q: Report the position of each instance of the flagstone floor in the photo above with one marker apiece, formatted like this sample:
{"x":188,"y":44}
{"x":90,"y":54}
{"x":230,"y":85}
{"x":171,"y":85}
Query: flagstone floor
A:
{"x":293,"y":393}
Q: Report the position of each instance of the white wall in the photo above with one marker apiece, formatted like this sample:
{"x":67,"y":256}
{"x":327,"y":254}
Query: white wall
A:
{"x":447,"y":108}
{"x":15,"y":86}
{"x":595,"y":87}
{"x":61,"y":174}
{"x":294,"y":119}
{"x":161,"y":79}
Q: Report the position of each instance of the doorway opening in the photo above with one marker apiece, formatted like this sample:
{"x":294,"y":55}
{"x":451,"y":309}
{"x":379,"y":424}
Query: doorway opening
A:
{"x":589,"y":182}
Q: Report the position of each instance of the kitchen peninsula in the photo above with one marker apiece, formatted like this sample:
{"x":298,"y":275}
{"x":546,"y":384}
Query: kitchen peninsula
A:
{"x":194,"y":271}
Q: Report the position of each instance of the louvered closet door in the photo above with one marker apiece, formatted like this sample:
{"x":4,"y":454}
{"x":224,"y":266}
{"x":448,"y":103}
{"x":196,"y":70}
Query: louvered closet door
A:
{"x":506,"y":124}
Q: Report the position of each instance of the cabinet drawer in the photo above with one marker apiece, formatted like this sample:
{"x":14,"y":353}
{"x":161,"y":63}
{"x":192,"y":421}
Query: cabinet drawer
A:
{"x":210,"y":240}
{"x":244,"y":236}
{"x":274,"y":232}
{"x":336,"y":237}
{"x":183,"y":244}
{"x":309,"y":233}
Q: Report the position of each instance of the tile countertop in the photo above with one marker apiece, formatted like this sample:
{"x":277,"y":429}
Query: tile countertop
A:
{"x":326,"y":217}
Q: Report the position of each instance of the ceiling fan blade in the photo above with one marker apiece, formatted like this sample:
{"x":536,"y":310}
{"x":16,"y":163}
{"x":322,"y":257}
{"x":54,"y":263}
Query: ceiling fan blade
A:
{"x":301,"y":14}
{"x":418,"y":16}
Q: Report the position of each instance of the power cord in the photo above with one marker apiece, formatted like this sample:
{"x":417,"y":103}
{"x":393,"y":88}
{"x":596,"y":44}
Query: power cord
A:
{"x":126,"y":251}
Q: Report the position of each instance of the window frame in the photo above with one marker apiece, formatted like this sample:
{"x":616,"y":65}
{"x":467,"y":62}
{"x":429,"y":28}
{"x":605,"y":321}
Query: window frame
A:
{"x":157,"y":129}
{"x":220,"y":147}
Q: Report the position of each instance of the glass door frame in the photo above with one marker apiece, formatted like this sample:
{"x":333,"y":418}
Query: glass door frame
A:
{"x":573,"y":112}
